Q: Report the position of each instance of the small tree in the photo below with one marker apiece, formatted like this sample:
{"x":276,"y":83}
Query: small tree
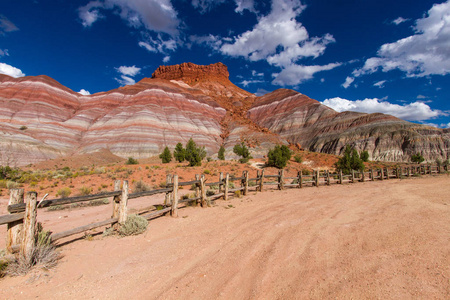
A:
{"x":364,"y":156}
{"x":242,"y":150}
{"x":179,"y":153}
{"x":194,"y":154}
{"x":221,"y":154}
{"x":417,"y":158}
{"x":131,"y":161}
{"x":279,"y":156}
{"x":350,"y":161}
{"x":166,"y":156}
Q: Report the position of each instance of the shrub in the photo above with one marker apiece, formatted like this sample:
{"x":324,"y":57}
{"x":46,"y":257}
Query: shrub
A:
{"x":179,"y":153}
{"x":417,"y":158}
{"x":278,"y":156}
{"x":166,"y":156}
{"x":350,"y":161}
{"x":194,"y":154}
{"x":12,"y":185}
{"x":134,"y":225}
{"x":131,"y":161}
{"x":298,"y":158}
{"x":238,"y":194}
{"x":221,"y":154}
{"x":23,"y":127}
{"x":140,"y":186}
{"x":206,"y":171}
{"x":364,"y":156}
{"x":85,"y":190}
{"x":64,"y":192}
{"x":210,"y":192}
{"x":242,"y":150}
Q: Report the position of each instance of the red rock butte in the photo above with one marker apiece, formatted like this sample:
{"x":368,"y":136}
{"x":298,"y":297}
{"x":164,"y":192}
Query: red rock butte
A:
{"x":191,"y":73}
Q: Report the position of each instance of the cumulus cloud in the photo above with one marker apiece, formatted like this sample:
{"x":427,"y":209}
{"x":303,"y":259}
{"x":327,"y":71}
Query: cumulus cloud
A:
{"x":154,"y":15}
{"x":205,"y":6}
{"x":10,"y":70}
{"x":6,"y":25}
{"x":126,"y":74}
{"x":424,"y":53}
{"x":212,"y":41}
{"x":129,"y":71}
{"x":282,"y":41}
{"x":399,"y":20}
{"x":166,"y":59}
{"x":348,"y":82}
{"x":245,"y":83}
{"x":416,"y":111}
{"x":380,"y":84}
{"x":4,"y":52}
{"x":159,"y":44}
{"x":296,"y":74}
{"x":256,"y":74}
{"x":84,"y":92}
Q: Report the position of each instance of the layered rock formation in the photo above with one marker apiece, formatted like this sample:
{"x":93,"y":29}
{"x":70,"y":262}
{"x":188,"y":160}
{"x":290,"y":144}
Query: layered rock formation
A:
{"x":41,"y":119}
{"x":316,"y":127}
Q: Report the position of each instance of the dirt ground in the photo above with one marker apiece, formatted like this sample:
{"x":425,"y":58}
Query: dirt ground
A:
{"x":373,"y":240}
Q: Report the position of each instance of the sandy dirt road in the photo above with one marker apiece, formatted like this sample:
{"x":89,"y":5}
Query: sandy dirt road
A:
{"x":373,"y":240}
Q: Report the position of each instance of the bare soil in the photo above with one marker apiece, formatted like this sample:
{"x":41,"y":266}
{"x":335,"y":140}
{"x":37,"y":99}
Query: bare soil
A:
{"x":373,"y":240}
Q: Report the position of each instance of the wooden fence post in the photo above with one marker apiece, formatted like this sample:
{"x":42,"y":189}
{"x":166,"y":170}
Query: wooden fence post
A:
{"x":363,"y":176}
{"x":174,"y":210}
{"x":371,"y":174}
{"x":15,"y":229}
{"x":123,"y":209}
{"x":245,"y":183}
{"x":225,"y":195}
{"x":408,"y":171}
{"x":116,"y":203}
{"x":197,"y":188}
{"x":203,"y":191}
{"x":381,"y":174}
{"x":353,"y":176}
{"x":299,"y":175}
{"x":261,"y":181}
{"x":221,"y":182}
{"x":168,"y":199}
{"x":340,"y":176}
{"x":387,"y":174}
{"x":281,"y":179}
{"x":29,"y":227}
{"x":328,"y":177}
{"x":317,"y":177}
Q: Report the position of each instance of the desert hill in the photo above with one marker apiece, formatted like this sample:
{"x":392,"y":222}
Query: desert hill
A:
{"x":41,"y":119}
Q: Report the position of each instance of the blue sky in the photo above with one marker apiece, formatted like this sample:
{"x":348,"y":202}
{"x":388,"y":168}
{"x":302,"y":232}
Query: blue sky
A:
{"x":370,"y":56}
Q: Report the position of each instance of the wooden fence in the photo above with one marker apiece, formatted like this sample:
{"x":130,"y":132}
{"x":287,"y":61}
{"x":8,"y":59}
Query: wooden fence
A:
{"x":21,"y":220}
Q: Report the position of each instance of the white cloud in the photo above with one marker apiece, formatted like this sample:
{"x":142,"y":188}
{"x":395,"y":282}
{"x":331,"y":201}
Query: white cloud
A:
{"x":348,"y":82}
{"x":10,"y":70}
{"x":154,"y":15}
{"x":6,"y":25}
{"x":125,"y":80}
{"x":416,"y":111}
{"x":242,"y":5}
{"x":159,"y":44}
{"x":380,"y":84}
{"x":129,"y":71}
{"x":4,"y":52}
{"x":166,"y":59}
{"x":261,"y":92}
{"x":424,"y":53}
{"x":84,"y":92}
{"x":148,"y":47}
{"x":205,"y":6}
{"x":256,"y":74}
{"x":210,"y":40}
{"x":245,"y":83}
{"x":296,"y":74}
{"x":399,"y":20}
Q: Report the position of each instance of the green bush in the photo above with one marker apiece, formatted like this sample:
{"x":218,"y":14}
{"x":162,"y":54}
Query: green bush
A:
{"x":350,"y":161}
{"x":298,"y":158}
{"x":85,"y":190}
{"x":64,"y":192}
{"x":278,"y":156}
{"x":242,"y":150}
{"x":166,"y":156}
{"x":194,"y":154}
{"x":23,"y":127}
{"x":134,"y":225}
{"x":364,"y":156}
{"x":417,"y":158}
{"x":179,"y":153}
{"x":12,"y":185}
{"x":131,"y":161}
{"x":221,"y":154}
{"x":140,"y":186}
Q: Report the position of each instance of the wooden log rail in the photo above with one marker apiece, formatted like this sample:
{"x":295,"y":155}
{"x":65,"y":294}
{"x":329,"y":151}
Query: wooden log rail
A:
{"x":20,"y":232}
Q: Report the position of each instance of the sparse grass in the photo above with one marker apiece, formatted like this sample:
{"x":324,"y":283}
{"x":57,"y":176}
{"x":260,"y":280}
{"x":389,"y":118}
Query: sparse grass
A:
{"x":238,"y":194}
{"x":12,"y":185}
{"x":134,"y":225}
{"x":64,"y":192}
{"x":85,"y":190}
{"x":141,"y":186}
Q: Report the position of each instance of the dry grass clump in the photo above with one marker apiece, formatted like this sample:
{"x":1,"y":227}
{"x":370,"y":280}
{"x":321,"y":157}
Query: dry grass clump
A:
{"x":44,"y":256}
{"x":134,"y":225}
{"x":141,"y":186}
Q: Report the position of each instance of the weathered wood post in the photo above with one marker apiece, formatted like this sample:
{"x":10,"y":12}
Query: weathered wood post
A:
{"x":371,"y":174}
{"x":281,"y":179}
{"x":387,"y":174}
{"x":174,"y":210}
{"x":123,"y":205}
{"x":29,"y":227}
{"x":116,"y":203}
{"x":328,"y":177}
{"x":363,"y":176}
{"x":340,"y":176}
{"x":15,"y":229}
{"x":446,"y":168}
{"x":300,"y":179}
{"x":225,"y":195}
{"x":220,"y":182}
{"x":168,"y":199}
{"x":203,"y":199}
{"x":261,"y":181}
{"x":197,"y":188}
{"x":317,"y":177}
{"x":352,"y":180}
{"x":245,"y":183}
{"x":408,"y":171}
{"x":381,"y":174}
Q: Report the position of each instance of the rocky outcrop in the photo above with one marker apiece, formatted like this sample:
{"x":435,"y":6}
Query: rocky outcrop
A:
{"x":302,"y":120}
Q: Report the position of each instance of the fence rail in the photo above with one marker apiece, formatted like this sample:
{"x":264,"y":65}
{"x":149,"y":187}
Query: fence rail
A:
{"x":21,"y":219}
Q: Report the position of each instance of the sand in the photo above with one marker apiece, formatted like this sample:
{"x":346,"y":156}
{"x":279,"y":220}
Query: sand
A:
{"x":373,"y":240}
